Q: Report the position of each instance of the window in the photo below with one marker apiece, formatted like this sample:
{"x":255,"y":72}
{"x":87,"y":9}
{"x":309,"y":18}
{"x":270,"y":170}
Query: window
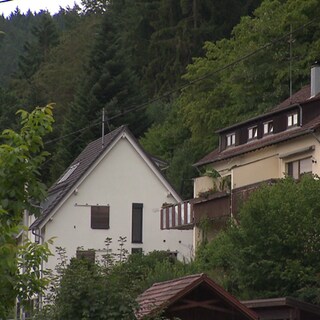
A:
{"x":268,"y":127}
{"x":296,"y":168}
{"x":137,"y":222}
{"x":252,"y":133}
{"x":292,"y":119}
{"x":136,"y":250}
{"x":231,"y":139}
{"x":100,"y":217}
{"x":68,"y":173}
{"x":88,"y":255}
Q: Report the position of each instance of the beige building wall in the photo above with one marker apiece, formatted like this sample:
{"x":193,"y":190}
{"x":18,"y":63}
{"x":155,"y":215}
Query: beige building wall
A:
{"x":266,"y":163}
{"x":202,"y":184}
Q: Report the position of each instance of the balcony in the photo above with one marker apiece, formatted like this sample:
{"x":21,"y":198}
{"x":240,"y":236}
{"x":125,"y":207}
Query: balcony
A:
{"x":214,"y":206}
{"x":179,"y":216}
{"x":218,"y":206}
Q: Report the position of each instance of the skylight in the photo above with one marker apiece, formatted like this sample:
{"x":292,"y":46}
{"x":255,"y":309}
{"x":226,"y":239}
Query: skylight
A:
{"x":68,"y":173}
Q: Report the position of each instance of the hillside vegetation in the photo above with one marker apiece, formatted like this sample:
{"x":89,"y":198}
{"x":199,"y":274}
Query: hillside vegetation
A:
{"x":173,"y":71}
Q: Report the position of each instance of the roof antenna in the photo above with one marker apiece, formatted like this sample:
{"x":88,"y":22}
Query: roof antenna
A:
{"x":104,"y":120}
{"x":102,"y":133}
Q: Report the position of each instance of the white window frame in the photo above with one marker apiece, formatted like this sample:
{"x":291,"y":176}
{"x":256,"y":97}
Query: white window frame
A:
{"x":68,"y":173}
{"x":268,"y":127}
{"x":253,"y":133}
{"x":292,"y":119}
{"x":231,"y":139}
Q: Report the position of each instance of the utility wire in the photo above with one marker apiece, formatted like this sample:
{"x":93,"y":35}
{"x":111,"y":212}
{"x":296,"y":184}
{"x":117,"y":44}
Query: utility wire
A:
{"x":218,"y":70}
{"x":1,"y":1}
{"x":93,"y":124}
{"x":190,"y":83}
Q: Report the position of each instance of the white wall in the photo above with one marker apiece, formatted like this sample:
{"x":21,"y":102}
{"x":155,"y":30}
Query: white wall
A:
{"x":121,"y":179}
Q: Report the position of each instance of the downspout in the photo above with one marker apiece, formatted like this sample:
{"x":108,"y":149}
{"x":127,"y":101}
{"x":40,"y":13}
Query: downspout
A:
{"x":38,"y":236}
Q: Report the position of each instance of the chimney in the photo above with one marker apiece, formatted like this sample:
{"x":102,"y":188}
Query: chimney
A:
{"x":315,"y":79}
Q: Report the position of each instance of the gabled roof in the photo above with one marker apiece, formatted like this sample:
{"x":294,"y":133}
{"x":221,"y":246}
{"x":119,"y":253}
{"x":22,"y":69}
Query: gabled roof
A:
{"x":299,"y":98}
{"x":275,"y":307}
{"x":83,"y":163}
{"x":164,"y":294}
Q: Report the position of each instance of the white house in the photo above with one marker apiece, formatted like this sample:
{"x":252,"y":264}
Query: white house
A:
{"x":112,"y":189}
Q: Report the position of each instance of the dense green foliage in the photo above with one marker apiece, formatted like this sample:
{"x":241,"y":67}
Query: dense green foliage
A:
{"x":114,"y":55}
{"x":108,"y":289}
{"x":20,"y":189}
{"x":233,"y":89}
{"x":118,"y":55}
{"x":274,"y":251}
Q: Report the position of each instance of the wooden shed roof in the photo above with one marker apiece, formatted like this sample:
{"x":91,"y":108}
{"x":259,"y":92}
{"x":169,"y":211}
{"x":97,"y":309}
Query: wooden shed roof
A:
{"x":164,"y":294}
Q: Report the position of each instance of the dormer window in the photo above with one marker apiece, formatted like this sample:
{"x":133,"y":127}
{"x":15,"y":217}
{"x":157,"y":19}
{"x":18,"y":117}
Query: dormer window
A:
{"x":268,"y":127}
{"x":292,"y":119}
{"x":231,"y":139}
{"x":253,"y":133}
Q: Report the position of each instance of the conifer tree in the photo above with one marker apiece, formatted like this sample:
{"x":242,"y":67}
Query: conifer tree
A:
{"x":109,"y":83}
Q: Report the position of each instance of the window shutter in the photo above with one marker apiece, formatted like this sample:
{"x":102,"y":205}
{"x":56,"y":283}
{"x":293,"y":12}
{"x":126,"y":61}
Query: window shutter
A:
{"x":88,"y":255}
{"x":100,"y":217}
{"x":137,"y":222}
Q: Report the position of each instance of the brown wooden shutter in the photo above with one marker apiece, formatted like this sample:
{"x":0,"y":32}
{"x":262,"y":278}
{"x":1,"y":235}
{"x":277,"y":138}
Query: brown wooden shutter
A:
{"x":137,"y":222}
{"x":100,"y":217}
{"x":88,"y":255}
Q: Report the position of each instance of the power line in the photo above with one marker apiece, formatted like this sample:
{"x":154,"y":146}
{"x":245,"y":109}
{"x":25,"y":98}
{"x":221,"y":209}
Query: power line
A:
{"x":210,"y":74}
{"x":93,"y":124}
{"x":1,"y":1}
{"x":190,"y":83}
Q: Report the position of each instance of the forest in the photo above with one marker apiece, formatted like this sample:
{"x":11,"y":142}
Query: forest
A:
{"x":124,"y":56}
{"x":174,"y":71}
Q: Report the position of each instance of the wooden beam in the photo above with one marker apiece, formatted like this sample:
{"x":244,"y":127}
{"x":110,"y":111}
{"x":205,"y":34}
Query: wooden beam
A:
{"x":202,"y":301}
{"x":201,"y":304}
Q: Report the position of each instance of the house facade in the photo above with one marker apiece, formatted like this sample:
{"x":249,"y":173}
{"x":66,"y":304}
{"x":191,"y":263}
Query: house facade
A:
{"x":112,"y":189}
{"x":282,"y":142}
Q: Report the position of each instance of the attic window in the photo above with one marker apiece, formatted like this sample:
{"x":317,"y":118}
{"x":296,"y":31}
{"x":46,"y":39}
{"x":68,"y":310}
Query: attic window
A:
{"x":231,"y":139}
{"x":268,"y":127}
{"x":253,"y":133}
{"x":69,"y":172}
{"x":292,"y":119}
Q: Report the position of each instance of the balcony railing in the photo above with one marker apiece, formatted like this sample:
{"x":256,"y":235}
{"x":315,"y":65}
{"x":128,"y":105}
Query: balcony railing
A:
{"x":179,"y":216}
{"x":213,"y":205}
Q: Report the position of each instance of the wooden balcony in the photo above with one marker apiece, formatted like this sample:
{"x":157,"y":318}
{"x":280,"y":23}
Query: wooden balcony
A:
{"x":218,"y":206}
{"x":214,"y":206}
{"x":179,"y":216}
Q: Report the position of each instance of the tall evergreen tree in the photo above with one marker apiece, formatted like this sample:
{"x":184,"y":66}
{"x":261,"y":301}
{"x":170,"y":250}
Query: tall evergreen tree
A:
{"x":110,"y":84}
{"x":35,"y":52}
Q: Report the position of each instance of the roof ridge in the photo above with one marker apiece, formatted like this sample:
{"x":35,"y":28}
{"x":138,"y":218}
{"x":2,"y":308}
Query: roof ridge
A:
{"x":198,"y":275}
